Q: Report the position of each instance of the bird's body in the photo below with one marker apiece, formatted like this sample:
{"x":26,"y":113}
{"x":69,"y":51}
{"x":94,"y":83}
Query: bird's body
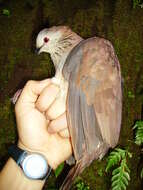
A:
{"x":88,"y":73}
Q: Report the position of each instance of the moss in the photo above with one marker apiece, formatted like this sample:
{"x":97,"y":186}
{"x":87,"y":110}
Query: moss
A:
{"x":7,"y":126}
{"x":44,"y":68}
{"x":83,"y":22}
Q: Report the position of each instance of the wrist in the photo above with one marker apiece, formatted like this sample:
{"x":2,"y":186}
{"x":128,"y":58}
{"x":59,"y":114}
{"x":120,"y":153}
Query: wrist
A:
{"x":12,"y":177}
{"x":51,"y":159}
{"x":33,"y":164}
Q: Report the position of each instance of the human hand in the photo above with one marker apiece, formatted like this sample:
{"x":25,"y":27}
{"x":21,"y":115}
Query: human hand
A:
{"x":33,"y":126}
{"x":54,"y":107}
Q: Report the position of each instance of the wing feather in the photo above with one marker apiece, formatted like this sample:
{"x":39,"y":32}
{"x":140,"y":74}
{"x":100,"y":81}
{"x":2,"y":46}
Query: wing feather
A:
{"x":94,"y":101}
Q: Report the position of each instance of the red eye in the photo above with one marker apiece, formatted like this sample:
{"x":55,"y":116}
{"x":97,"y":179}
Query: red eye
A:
{"x":46,"y":39}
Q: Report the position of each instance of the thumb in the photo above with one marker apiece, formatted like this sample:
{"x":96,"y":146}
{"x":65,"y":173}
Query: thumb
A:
{"x":32,"y":90}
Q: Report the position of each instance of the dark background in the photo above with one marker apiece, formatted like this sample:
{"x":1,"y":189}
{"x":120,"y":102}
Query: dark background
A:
{"x":115,"y":20}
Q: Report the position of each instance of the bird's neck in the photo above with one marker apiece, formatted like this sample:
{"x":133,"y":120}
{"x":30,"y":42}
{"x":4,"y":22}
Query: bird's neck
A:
{"x":59,"y":60}
{"x":61,"y":52}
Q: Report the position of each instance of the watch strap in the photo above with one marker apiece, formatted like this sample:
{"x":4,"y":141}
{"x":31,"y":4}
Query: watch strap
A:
{"x":15,"y":152}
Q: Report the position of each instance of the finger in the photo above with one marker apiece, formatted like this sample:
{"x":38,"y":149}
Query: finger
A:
{"x":64,"y":133}
{"x":47,"y":97}
{"x":32,"y":89}
{"x":56,"y":109}
{"x":58,"y":124}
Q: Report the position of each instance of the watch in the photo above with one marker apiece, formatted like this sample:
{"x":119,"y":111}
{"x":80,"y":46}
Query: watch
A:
{"x":34,"y":165}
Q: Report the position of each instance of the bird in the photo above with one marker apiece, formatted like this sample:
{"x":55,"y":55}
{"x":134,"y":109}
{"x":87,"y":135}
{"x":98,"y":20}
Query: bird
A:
{"x":89,"y":77}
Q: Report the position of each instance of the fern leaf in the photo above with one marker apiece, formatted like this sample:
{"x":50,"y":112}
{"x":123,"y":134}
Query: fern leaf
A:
{"x":112,"y":161}
{"x":125,"y":179}
{"x":116,"y":188}
{"x":116,"y":171}
{"x":122,"y":152}
{"x":139,"y":132}
{"x":138,"y":124}
{"x":115,"y":183}
{"x":120,"y":176}
{"x":127,"y":176}
{"x":115,"y":177}
{"x":122,"y":185}
{"x":127,"y":168}
{"x":115,"y":157}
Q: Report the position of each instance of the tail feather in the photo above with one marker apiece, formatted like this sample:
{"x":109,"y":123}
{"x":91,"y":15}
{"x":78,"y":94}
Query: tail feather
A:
{"x":84,"y":162}
{"x":73,"y":173}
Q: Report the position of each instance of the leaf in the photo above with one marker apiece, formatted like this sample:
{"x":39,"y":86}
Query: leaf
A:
{"x":100,"y":172}
{"x":121,"y":174}
{"x":115,"y":177}
{"x":139,"y":132}
{"x":115,"y":183}
{"x":129,"y":154}
{"x":114,"y":158}
{"x":122,"y":185}
{"x":136,"y":3}
{"x":127,"y":168}
{"x":116,"y":188}
{"x":59,"y":169}
{"x":127,"y":176}
{"x":125,"y":180}
{"x":6,"y":12}
{"x":82,"y":186}
{"x":116,"y":171}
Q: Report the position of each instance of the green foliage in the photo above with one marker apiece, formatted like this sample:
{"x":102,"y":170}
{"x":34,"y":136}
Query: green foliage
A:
{"x":116,"y":156}
{"x":6,"y":12}
{"x":81,"y":186}
{"x":139,"y":136}
{"x":59,"y":169}
{"x":137,"y":3}
{"x":100,"y":172}
{"x":139,"y":132}
{"x":142,"y":173}
{"x":121,"y":174}
{"x":130,"y":94}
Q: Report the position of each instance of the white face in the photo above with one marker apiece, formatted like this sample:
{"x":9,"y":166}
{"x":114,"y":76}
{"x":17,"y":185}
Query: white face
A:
{"x":47,"y":40}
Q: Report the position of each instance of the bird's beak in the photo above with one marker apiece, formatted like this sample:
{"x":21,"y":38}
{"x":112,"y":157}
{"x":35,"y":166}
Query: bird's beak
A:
{"x":37,"y":51}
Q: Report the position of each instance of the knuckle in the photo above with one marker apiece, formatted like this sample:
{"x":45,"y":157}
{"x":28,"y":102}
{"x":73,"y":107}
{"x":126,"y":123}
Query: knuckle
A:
{"x":54,"y":87}
{"x":30,"y":83}
{"x":49,"y":115}
{"x":53,"y":126}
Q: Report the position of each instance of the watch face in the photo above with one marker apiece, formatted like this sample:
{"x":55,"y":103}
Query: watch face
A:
{"x":35,"y":166}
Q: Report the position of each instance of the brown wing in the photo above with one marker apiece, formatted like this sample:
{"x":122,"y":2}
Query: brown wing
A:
{"x":94,"y":101}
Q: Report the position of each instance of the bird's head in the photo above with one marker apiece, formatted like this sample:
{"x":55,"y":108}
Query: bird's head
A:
{"x":47,"y":40}
{"x":56,"y":40}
